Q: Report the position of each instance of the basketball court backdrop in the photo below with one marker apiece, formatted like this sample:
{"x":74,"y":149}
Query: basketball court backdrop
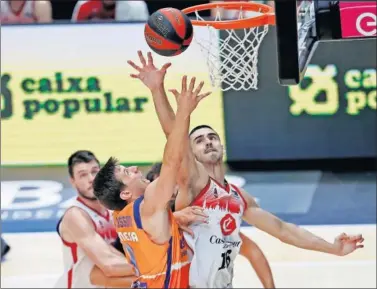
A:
{"x":33,"y":198}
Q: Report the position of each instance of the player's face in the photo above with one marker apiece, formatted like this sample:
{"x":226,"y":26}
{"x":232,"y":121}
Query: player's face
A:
{"x":134,"y":180}
{"x":82,"y":180}
{"x":206,"y":145}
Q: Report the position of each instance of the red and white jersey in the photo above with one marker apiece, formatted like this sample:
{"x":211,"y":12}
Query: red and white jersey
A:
{"x":77,"y":266}
{"x":26,"y":13}
{"x":216,"y":244}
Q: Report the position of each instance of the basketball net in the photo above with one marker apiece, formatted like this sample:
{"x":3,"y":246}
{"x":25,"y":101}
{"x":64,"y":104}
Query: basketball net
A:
{"x":232,"y":56}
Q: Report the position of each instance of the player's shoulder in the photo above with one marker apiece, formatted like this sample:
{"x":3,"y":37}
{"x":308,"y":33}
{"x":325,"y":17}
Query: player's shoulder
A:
{"x":246,"y":196}
{"x":75,"y":214}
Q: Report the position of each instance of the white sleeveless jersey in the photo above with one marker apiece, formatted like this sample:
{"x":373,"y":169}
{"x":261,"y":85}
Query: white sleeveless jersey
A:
{"x":24,"y":15}
{"x":216,"y":244}
{"x":77,"y":266}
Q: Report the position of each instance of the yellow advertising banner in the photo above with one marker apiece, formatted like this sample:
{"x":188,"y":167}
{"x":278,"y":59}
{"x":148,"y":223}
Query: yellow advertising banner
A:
{"x":67,"y":87}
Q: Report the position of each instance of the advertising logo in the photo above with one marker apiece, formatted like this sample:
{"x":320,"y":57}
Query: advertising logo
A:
{"x":6,"y":97}
{"x":228,"y":225}
{"x":358,"y":19}
{"x":319,"y":93}
{"x":226,"y":243}
{"x":33,"y":205}
{"x":80,"y":98}
{"x":366,"y":24}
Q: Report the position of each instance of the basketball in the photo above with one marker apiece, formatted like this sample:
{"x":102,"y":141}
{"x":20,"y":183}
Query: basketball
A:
{"x":168,"y":32}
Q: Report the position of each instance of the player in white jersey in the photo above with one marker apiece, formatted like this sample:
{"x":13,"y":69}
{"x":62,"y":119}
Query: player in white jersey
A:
{"x":249,"y":249}
{"x":203,"y":172}
{"x":87,"y":232}
{"x":25,"y":11}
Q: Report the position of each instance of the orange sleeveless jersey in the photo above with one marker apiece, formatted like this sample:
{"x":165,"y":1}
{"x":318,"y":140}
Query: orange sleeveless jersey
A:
{"x":158,"y":266}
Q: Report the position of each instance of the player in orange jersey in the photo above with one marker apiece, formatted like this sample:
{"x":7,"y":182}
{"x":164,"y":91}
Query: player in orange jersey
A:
{"x":145,"y":224}
{"x":153,"y":78}
{"x":249,"y":249}
{"x":226,"y":204}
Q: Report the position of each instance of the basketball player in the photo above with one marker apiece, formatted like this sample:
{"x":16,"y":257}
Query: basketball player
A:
{"x":22,"y":11}
{"x":226,"y":204}
{"x":144,"y":222}
{"x":87,"y":231}
{"x":86,"y":222}
{"x":249,"y":249}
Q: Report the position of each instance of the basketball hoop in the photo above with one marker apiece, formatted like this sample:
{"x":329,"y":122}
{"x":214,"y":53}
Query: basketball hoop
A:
{"x":232,"y":58}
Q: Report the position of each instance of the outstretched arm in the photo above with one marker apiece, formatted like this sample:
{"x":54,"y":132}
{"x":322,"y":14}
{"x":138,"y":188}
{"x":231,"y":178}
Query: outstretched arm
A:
{"x":159,"y":193}
{"x":191,"y":172}
{"x":153,"y":78}
{"x":251,"y":251}
{"x":294,"y":235}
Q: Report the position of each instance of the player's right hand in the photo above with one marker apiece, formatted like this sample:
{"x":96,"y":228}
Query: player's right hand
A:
{"x":346,"y":244}
{"x":188,"y":216}
{"x":189,"y":98}
{"x":149,"y":74}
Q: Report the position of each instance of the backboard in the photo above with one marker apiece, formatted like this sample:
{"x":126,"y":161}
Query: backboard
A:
{"x":301,"y":25}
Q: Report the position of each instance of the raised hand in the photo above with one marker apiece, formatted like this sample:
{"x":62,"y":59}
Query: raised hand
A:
{"x":346,"y":244}
{"x":189,"y":98}
{"x":148,"y":73}
{"x":188,"y":216}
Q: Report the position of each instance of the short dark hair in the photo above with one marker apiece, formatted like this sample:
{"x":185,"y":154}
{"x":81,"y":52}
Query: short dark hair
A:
{"x":200,"y":127}
{"x":154,"y":172}
{"x":78,"y":157}
{"x":107,"y":188}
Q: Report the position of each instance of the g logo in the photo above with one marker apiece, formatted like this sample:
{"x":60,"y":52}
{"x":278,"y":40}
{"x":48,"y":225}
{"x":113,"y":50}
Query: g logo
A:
{"x":367,"y":28}
{"x":6,"y":98}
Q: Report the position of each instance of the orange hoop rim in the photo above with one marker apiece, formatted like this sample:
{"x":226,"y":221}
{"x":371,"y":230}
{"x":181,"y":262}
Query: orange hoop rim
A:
{"x":268,"y":17}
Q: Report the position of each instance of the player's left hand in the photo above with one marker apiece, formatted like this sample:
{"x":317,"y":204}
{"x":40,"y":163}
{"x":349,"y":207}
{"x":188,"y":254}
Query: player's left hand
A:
{"x":346,"y":244}
{"x":188,"y":216}
{"x":148,"y":73}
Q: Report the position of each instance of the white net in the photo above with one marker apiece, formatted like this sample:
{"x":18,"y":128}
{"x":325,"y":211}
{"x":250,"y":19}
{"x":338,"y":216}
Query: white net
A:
{"x":232,"y":55}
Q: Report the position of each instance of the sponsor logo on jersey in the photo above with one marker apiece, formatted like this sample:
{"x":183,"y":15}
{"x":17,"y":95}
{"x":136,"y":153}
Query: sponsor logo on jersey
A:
{"x":124,"y":222}
{"x":227,"y":243}
{"x":128,"y":236}
{"x":228,"y":225}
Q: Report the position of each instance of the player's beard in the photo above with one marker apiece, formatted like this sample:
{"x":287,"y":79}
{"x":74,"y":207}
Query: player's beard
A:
{"x":82,"y":195}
